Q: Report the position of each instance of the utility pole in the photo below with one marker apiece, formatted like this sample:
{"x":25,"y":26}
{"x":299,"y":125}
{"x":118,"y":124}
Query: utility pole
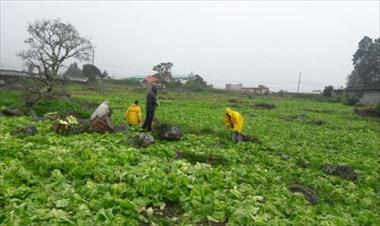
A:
{"x":93,"y":56}
{"x":299,"y":81}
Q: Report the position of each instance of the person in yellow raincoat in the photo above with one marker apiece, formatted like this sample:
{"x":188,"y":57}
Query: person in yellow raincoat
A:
{"x":235,"y":121}
{"x":133,"y":114}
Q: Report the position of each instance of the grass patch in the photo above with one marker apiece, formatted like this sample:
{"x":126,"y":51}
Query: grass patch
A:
{"x":61,"y":106}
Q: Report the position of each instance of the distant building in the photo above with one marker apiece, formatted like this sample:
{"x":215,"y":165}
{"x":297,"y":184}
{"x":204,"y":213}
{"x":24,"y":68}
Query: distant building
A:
{"x":260,"y":90}
{"x":248,"y":89}
{"x":234,"y":87}
{"x":14,"y":73}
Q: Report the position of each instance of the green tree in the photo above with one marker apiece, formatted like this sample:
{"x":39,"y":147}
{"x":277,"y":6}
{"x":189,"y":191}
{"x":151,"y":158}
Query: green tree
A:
{"x":163,"y":72}
{"x":91,"y":72}
{"x":196,"y":83}
{"x":327,"y":92}
{"x":197,"y":79}
{"x":366,"y":61}
{"x":174,"y":84}
{"x":73,"y":71}
{"x":104,"y":74}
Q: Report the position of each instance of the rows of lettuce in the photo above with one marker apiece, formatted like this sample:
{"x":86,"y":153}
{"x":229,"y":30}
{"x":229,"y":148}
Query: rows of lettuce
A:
{"x":94,"y":179}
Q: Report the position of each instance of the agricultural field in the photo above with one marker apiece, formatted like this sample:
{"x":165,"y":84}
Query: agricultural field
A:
{"x":288,"y":178}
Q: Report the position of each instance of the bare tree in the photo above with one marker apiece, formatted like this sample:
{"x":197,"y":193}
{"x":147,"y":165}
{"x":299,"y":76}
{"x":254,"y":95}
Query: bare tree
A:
{"x":51,"y":43}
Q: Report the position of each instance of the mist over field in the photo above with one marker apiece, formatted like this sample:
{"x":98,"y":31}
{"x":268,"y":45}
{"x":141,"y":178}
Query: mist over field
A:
{"x":252,"y":43}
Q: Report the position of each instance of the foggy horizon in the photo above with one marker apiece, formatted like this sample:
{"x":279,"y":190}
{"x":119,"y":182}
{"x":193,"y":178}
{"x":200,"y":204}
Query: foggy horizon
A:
{"x":252,"y":43}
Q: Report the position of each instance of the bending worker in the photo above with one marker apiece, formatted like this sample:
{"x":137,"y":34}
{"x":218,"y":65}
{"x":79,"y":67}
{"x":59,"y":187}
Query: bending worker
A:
{"x":101,"y":118}
{"x":133,"y":114}
{"x":235,"y":121}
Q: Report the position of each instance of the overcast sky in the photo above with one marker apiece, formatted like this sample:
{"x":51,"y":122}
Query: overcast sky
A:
{"x":225,"y":42}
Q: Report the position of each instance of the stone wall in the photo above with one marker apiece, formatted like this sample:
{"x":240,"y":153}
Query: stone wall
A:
{"x":370,"y":97}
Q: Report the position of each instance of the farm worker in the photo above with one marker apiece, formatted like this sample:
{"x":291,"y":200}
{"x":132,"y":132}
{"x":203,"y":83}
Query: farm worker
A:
{"x":151,"y":104}
{"x":100,"y":119}
{"x":133,"y":114}
{"x":235,"y":121}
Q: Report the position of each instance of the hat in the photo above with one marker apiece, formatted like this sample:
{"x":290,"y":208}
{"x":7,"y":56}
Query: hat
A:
{"x":228,"y":111}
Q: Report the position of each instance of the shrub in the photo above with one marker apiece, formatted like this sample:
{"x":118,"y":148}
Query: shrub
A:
{"x":378,"y":107}
{"x":351,"y":101}
{"x":125,"y":81}
{"x":196,"y":87}
{"x":60,"y":106}
{"x":10,"y":98}
{"x":359,"y":105}
{"x":368,"y":111}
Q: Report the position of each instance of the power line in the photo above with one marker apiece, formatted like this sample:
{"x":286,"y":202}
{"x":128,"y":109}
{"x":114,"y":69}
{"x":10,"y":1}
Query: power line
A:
{"x":311,"y":84}
{"x":245,"y":81}
{"x":123,"y":67}
{"x":144,"y":73}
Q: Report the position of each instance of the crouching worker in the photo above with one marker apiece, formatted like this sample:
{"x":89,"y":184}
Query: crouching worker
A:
{"x":133,"y":114}
{"x":235,"y":121}
{"x":101,"y":119}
